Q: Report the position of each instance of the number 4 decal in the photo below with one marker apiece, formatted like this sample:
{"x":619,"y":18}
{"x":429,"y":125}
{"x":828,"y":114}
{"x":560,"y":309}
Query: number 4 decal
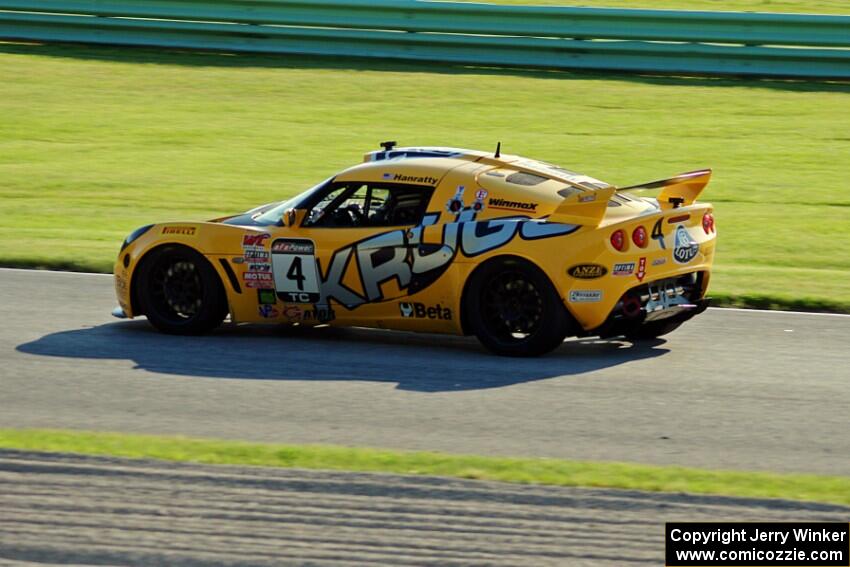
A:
{"x":296,"y":273}
{"x":658,"y":235}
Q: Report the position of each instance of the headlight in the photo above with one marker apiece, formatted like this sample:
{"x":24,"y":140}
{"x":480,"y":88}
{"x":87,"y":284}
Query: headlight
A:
{"x":134,"y":235}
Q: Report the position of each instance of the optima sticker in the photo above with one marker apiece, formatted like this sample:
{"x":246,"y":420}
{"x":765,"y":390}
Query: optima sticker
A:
{"x":624,"y":269}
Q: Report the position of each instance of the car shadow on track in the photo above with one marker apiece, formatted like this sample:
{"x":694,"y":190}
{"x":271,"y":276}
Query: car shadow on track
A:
{"x":417,"y":362}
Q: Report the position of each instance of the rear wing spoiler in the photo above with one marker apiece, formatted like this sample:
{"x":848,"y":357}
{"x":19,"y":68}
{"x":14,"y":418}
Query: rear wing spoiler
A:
{"x":585,"y":208}
{"x":678,"y":191}
{"x":588,"y":208}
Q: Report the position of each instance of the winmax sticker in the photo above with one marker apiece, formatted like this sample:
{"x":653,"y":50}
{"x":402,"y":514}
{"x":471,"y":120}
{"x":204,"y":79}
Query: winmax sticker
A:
{"x":511,"y":205}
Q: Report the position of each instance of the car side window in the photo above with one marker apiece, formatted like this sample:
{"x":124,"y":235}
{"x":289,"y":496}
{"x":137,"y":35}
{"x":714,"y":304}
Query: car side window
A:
{"x":362,"y":205}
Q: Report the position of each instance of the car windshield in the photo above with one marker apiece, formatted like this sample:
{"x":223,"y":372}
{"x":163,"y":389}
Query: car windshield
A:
{"x":274,"y":214}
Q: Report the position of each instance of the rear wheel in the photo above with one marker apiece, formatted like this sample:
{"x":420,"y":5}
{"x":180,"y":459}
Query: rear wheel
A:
{"x":513,"y":309}
{"x":652,"y":330}
{"x":179,"y":291}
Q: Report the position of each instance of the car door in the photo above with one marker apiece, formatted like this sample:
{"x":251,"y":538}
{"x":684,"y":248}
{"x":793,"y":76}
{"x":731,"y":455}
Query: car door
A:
{"x":354,"y":246}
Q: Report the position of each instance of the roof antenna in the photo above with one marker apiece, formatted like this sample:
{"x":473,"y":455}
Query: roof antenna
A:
{"x":498,"y":150}
{"x":388,"y":145}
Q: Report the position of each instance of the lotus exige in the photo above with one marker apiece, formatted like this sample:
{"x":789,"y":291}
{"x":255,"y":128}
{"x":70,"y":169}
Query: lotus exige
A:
{"x":518,"y":252}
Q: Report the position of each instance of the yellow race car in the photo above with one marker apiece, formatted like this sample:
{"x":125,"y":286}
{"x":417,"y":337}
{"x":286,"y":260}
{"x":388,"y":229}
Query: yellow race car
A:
{"x":518,"y":252}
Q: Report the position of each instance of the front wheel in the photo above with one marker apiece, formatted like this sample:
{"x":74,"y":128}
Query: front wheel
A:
{"x":179,"y":291}
{"x":513,"y":309}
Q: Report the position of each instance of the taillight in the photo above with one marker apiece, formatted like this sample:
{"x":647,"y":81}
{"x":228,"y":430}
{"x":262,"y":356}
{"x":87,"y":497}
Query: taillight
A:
{"x":618,"y":240}
{"x":639,"y":237}
{"x":708,"y":223}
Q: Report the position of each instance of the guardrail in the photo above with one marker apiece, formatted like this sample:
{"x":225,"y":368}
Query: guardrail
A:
{"x":666,"y":41}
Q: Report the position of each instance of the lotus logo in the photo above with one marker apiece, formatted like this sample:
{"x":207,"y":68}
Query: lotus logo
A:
{"x":686,"y":249}
{"x":587,"y":271}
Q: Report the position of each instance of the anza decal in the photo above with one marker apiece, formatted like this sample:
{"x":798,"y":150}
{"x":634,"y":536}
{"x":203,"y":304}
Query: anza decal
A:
{"x":587,"y":271}
{"x":417,"y":310}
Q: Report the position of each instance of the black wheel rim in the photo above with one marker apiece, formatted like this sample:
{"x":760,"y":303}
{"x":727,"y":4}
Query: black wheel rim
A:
{"x":176,"y":289}
{"x":512,"y":306}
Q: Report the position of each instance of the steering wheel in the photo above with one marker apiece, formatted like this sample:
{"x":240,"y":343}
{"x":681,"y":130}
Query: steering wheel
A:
{"x":350,"y":216}
{"x":358,"y":217}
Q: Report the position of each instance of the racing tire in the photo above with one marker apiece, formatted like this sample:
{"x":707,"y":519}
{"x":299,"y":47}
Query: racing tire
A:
{"x":180,"y":292}
{"x":513,"y":309}
{"x":653,"y":330}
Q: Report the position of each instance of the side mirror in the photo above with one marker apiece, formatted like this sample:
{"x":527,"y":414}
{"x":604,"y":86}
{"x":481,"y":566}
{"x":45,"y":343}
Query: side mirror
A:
{"x":292,"y":218}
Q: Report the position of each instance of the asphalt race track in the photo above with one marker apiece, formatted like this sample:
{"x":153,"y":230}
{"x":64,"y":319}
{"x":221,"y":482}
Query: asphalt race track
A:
{"x":732,"y":389}
{"x":729,"y":390}
{"x":100,"y":511}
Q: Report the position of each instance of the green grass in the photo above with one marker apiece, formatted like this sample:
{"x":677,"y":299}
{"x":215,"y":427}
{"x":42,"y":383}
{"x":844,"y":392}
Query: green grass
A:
{"x":790,"y":6}
{"x":96,"y":141}
{"x":835,"y":490}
